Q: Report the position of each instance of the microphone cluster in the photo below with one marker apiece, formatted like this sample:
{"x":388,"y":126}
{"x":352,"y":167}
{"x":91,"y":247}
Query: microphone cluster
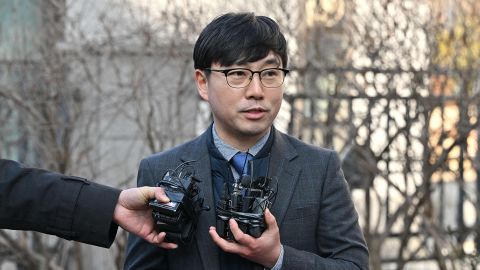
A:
{"x":246,"y":204}
{"x":179,"y":217}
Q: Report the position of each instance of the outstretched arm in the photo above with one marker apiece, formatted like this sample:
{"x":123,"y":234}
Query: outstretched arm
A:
{"x":73,"y":208}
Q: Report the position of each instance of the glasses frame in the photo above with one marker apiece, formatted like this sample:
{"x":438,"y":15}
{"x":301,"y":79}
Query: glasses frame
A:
{"x":226,"y":71}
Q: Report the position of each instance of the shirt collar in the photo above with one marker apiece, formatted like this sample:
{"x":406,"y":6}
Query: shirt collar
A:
{"x":229,"y":151}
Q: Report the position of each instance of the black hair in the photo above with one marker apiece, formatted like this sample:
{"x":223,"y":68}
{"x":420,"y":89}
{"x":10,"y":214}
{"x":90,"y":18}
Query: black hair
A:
{"x":238,"y":38}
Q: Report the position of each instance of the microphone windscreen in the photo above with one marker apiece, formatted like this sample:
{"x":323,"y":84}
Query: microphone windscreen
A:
{"x":246,"y":180}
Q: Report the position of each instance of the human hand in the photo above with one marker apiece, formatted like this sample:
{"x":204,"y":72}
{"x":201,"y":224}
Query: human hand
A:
{"x":263,"y":250}
{"x":133,"y":214}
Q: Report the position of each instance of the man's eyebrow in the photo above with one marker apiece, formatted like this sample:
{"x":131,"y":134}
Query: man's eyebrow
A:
{"x":273,"y":60}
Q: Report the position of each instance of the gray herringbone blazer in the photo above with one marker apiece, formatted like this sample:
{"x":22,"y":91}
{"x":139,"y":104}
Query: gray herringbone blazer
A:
{"x":317,"y":220}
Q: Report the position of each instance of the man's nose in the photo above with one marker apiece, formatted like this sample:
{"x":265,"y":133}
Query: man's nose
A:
{"x":255,"y":88}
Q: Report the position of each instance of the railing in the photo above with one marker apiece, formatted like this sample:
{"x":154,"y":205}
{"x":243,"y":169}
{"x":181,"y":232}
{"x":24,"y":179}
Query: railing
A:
{"x":409,"y":144}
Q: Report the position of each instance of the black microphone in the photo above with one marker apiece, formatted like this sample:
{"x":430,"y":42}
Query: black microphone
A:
{"x":246,"y":180}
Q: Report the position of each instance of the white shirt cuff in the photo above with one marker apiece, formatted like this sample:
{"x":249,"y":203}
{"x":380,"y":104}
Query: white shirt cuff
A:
{"x":278,"y":264}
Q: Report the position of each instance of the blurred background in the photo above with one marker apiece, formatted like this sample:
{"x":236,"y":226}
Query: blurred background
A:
{"x":90,"y":87}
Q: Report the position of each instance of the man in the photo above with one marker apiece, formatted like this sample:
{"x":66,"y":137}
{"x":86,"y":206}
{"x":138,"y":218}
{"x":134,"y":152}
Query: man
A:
{"x":74,"y":208}
{"x":240,"y":62}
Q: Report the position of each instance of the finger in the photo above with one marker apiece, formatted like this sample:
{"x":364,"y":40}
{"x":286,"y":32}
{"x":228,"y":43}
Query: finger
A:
{"x":222,"y":243}
{"x":148,"y":193}
{"x":154,"y":238}
{"x":215,"y":237}
{"x":167,"y":245}
{"x":239,"y":235}
{"x":160,"y":195}
{"x":160,"y":241}
{"x":270,"y":219}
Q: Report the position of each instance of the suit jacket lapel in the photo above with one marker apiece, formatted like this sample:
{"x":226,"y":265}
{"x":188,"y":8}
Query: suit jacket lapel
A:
{"x":286,"y":172}
{"x":206,"y":247}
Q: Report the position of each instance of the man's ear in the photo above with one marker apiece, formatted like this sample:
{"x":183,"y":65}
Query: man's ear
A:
{"x":202,"y":84}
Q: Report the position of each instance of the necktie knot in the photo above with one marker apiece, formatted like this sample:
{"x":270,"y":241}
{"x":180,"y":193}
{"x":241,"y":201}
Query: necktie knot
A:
{"x":240,"y":162}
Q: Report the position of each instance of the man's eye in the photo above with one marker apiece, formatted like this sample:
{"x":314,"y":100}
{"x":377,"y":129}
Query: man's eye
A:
{"x":270,"y":73}
{"x":237,"y":73}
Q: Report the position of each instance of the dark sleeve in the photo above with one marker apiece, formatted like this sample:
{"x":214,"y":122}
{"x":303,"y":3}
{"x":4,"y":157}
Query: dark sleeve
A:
{"x":339,"y":237}
{"x":69,"y":207}
{"x":139,"y":253}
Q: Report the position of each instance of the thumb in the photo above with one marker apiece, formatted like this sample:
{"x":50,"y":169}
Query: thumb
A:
{"x":147,"y":193}
{"x":270,"y":219}
{"x":160,"y":194}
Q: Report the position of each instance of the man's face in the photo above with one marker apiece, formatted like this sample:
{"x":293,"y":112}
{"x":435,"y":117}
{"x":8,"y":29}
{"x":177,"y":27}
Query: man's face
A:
{"x":241,"y":115}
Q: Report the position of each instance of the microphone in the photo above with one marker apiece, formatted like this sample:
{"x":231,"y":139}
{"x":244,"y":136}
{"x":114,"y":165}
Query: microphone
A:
{"x":246,"y":180}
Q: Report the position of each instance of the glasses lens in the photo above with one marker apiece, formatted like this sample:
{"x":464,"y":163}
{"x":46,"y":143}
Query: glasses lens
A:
{"x":272,"y":77}
{"x":238,"y":77}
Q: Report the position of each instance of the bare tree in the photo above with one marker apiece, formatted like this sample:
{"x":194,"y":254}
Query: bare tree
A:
{"x":384,"y":100}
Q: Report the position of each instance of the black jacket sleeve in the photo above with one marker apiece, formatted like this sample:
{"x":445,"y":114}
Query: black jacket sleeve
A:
{"x":69,"y":207}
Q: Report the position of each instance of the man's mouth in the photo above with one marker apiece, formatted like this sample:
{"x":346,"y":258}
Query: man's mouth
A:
{"x":254,"y":113}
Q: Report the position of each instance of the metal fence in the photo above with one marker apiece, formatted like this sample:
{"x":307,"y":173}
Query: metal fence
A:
{"x":409,"y":144}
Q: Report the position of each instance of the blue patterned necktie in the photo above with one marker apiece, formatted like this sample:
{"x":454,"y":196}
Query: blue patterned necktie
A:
{"x":240,"y":162}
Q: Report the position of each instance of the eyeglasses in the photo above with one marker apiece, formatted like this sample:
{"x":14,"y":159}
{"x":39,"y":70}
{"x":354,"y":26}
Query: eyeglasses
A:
{"x":241,"y":77}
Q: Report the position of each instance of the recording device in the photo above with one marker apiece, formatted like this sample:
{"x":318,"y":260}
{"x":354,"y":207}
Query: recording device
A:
{"x":178,"y":218}
{"x":246,"y":204}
